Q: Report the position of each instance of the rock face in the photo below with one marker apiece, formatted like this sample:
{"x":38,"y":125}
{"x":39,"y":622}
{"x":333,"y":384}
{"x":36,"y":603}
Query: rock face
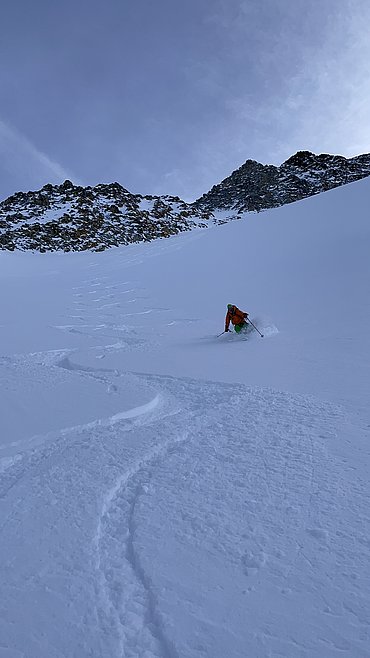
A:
{"x":255,"y":187}
{"x":73,"y":218}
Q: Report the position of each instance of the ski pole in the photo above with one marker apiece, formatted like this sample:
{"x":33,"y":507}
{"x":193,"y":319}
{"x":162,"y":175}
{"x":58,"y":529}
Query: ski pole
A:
{"x":222,"y":332}
{"x":254,"y":326}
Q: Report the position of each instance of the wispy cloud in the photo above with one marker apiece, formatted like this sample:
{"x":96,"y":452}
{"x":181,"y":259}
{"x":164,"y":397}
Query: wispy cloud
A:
{"x":24,"y":161}
{"x":229,"y":80}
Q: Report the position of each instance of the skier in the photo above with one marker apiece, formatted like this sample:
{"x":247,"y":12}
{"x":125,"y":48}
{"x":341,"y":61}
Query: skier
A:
{"x":236,"y":317}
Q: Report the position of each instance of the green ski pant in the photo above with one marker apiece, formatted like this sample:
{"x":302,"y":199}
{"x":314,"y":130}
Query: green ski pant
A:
{"x":238,"y":327}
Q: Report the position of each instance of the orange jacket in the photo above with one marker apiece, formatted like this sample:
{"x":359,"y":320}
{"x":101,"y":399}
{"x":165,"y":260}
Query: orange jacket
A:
{"x":236,"y":316}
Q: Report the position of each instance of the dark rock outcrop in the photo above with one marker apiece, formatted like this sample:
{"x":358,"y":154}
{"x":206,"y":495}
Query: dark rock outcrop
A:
{"x":73,"y":218}
{"x":255,"y":187}
{"x":69,"y":217}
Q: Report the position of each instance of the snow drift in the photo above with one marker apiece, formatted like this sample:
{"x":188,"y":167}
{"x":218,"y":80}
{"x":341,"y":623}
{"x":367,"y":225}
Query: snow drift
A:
{"x":167,"y":493}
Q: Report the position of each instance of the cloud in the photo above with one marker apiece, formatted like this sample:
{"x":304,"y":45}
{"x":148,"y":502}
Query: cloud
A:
{"x":335,"y":85}
{"x":308,"y":77}
{"x":24,"y":161}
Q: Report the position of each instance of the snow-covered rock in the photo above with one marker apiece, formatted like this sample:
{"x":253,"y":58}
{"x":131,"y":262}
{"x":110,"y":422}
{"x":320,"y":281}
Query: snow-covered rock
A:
{"x":69,"y":217}
{"x":73,"y":218}
{"x":256,"y":187}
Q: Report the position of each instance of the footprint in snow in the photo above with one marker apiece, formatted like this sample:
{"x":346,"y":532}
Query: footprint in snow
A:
{"x":319,"y":534}
{"x":253,"y":561}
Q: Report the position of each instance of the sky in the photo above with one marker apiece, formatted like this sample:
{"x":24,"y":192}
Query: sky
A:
{"x":169,"y":97}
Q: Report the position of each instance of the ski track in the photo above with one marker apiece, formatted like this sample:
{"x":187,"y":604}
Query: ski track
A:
{"x":51,"y":462}
{"x":123,"y":586}
{"x":245,"y":480}
{"x":302,"y":485}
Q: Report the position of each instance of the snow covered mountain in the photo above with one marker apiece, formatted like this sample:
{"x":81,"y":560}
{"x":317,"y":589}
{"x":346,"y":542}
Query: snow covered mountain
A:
{"x":255,"y":187}
{"x":73,"y":218}
{"x":170,"y":494}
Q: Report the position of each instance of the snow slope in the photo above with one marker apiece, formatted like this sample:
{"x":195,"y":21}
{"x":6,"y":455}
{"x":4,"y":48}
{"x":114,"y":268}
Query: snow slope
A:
{"x":167,"y":493}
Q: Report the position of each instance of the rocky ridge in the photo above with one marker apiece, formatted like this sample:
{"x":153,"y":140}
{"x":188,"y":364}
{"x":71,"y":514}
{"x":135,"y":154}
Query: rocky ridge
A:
{"x":256,"y":187}
{"x":74,"y":218}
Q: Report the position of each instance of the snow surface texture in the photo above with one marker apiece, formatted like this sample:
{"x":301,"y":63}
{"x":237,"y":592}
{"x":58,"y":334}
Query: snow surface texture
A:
{"x":166,"y":493}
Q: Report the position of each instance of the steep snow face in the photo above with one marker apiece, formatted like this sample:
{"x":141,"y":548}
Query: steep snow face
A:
{"x":165,"y":492}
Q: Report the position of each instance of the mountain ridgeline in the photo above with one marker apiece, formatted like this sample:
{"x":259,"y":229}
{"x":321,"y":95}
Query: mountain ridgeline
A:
{"x":255,"y":187}
{"x":70,"y":217}
{"x":73,"y":218}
